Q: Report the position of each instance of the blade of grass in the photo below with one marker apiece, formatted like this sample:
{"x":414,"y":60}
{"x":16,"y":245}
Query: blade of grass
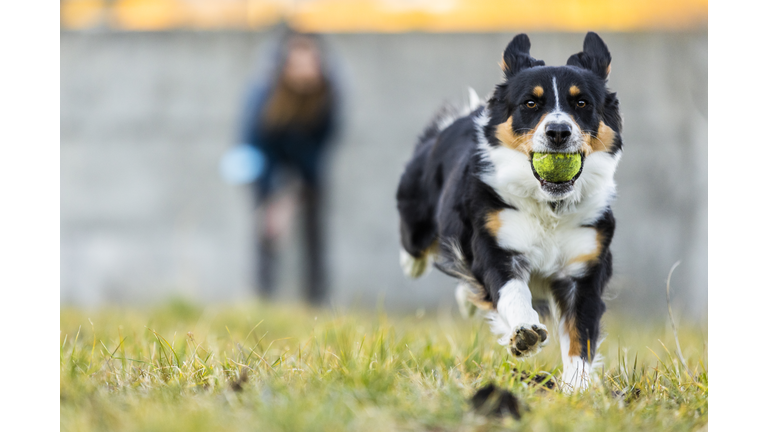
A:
{"x":672,"y":321}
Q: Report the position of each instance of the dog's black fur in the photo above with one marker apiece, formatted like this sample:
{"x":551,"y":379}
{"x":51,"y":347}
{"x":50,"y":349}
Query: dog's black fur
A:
{"x":449,"y":211}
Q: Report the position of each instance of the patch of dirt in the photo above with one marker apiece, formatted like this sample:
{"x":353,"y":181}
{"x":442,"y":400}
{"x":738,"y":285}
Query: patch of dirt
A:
{"x":237,"y":385}
{"x":494,"y":401}
{"x":541,"y":379}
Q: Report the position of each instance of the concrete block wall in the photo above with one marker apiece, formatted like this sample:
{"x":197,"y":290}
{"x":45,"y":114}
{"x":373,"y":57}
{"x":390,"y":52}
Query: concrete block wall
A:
{"x":146,"y":116}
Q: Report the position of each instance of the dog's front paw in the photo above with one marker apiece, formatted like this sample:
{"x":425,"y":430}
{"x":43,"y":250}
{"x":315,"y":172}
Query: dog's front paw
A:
{"x":527,"y":340}
{"x":576,"y":375}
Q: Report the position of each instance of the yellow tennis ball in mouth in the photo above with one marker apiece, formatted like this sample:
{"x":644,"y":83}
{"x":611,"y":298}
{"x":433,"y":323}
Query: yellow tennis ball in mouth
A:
{"x":557,"y":167}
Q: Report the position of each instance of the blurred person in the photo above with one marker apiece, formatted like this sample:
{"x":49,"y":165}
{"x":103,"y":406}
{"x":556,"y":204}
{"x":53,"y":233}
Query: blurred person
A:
{"x":289,"y":118}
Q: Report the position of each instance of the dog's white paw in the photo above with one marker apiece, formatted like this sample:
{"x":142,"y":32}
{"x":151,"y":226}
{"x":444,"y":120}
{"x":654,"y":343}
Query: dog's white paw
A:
{"x":528,"y":339}
{"x":415,"y":267}
{"x":576,"y":375}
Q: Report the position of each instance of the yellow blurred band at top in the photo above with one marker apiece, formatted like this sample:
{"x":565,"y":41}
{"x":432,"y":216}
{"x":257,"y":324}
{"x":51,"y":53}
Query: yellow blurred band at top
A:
{"x":391,"y":16}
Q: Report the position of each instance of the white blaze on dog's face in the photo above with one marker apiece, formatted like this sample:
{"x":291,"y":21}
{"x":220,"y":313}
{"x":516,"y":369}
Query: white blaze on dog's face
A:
{"x":558,"y":131}
{"x":566,"y":109}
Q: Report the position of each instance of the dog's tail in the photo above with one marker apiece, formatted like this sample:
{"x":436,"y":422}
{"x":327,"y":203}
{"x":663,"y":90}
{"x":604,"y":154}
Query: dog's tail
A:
{"x":447,"y":114}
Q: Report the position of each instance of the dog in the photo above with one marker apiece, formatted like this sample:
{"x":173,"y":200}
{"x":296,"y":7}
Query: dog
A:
{"x":471,"y":203}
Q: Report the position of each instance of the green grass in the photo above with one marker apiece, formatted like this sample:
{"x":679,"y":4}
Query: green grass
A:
{"x":289,"y":368}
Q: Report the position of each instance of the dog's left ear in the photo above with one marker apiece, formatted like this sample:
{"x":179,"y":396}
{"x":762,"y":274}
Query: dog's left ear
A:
{"x":595,"y":56}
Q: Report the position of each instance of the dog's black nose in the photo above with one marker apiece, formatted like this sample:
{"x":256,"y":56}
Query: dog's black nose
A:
{"x":558,"y":133}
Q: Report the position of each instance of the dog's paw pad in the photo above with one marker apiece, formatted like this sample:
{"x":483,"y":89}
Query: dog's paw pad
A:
{"x":527,"y":340}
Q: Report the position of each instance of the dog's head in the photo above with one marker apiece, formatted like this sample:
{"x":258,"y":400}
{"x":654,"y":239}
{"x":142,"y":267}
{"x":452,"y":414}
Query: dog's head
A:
{"x":564,"y":109}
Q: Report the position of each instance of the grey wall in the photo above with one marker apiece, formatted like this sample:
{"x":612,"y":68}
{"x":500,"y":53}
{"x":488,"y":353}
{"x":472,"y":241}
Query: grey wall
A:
{"x":146,"y":116}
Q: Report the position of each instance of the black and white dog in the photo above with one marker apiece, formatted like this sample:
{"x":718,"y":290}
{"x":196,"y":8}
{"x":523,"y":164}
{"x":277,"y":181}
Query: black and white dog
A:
{"x":471,"y":203}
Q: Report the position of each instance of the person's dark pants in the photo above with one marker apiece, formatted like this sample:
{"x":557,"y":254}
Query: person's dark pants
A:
{"x":315,"y":289}
{"x":315,"y":285}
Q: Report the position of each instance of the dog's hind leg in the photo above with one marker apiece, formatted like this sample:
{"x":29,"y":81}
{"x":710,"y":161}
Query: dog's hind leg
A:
{"x":415,"y":267}
{"x":418,"y":239}
{"x":416,"y":206}
{"x":467,"y":309}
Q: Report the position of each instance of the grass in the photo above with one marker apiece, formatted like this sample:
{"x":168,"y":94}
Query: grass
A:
{"x":272,"y":367}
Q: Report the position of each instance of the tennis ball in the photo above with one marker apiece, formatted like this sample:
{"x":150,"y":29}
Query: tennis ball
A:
{"x":557,"y":167}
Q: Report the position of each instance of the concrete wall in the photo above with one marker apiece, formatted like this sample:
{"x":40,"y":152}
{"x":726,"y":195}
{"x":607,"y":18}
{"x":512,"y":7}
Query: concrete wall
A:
{"x":146,"y":116}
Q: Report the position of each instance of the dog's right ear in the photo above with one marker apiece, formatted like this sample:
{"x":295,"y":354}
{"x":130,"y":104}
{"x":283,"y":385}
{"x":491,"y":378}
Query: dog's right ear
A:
{"x":517,"y":56}
{"x":595,"y":57}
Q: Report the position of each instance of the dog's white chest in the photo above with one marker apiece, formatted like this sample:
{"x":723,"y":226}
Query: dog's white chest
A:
{"x":552,"y":245}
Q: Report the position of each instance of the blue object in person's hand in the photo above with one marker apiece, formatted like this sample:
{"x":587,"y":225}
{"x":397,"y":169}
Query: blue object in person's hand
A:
{"x":241,"y":164}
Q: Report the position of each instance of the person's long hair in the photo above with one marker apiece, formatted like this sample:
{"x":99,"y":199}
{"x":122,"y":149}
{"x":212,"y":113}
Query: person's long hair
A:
{"x":287,"y":108}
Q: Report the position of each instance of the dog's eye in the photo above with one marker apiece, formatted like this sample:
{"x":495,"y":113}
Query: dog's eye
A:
{"x":530,"y":104}
{"x":581,"y":103}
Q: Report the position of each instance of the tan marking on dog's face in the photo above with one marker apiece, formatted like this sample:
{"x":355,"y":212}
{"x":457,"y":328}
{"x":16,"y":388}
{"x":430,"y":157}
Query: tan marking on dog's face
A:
{"x":538,"y":91}
{"x":574,"y":90}
{"x":493,"y":222}
{"x":508,"y":138}
{"x":603,"y":142}
{"x":592,"y":256}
